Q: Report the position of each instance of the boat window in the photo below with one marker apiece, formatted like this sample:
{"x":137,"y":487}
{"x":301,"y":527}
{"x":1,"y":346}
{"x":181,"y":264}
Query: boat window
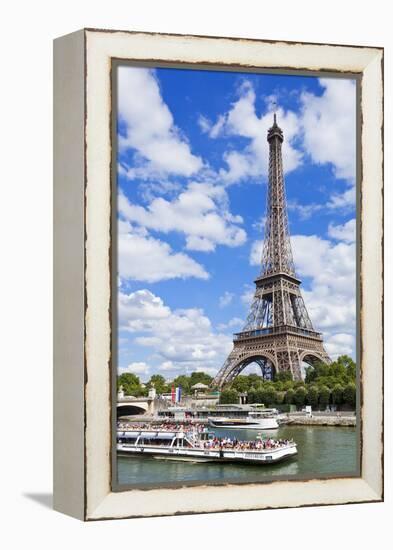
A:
{"x":129,"y":440}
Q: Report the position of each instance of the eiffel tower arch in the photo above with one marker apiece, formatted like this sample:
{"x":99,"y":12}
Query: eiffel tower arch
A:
{"x":278,"y":334}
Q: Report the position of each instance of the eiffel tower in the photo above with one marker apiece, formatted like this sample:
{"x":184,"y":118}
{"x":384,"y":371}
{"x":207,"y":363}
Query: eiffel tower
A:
{"x":278,"y":335}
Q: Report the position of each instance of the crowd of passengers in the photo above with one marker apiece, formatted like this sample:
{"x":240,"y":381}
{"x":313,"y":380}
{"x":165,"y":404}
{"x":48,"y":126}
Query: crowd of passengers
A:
{"x":258,"y":444}
{"x":162,"y":427}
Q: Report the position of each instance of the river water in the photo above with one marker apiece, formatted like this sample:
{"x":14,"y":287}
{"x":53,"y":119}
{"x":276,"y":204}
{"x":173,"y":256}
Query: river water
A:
{"x":322,"y":451}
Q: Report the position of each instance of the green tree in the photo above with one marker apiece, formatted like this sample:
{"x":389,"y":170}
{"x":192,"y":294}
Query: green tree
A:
{"x":254,"y":380}
{"x":316,"y":371}
{"x":346,"y":361}
{"x":342,"y":371}
{"x":269,"y":396}
{"x":337,"y":394}
{"x":259,"y":395}
{"x":312,"y":396}
{"x":251,"y":397}
{"x":241,"y":383}
{"x":351,"y":370}
{"x":280,"y":396}
{"x":158,"y":381}
{"x":128,"y":378}
{"x":299,"y":397}
{"x":200,"y":377}
{"x":324,"y":397}
{"x":289,"y":396}
{"x":229,"y":396}
{"x":349,"y":394}
{"x":130,"y":383}
{"x":283,"y":376}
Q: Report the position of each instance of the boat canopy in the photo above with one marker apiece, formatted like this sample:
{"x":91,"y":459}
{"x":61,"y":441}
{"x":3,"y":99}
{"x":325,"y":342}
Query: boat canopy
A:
{"x":128,"y":434}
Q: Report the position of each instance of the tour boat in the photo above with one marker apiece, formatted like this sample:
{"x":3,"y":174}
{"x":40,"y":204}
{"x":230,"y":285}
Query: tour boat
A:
{"x":253,"y":421}
{"x":194,"y":446}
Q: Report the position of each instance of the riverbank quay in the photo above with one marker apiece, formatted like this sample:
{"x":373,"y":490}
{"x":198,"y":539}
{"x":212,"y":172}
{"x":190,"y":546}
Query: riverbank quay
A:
{"x":293,"y":419}
{"x":318,"y":420}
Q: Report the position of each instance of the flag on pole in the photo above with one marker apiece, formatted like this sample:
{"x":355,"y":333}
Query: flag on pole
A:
{"x":178,"y":394}
{"x":173,"y":394}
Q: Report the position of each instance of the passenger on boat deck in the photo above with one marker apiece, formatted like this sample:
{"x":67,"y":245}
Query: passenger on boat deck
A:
{"x":227,"y":443}
{"x":161,"y":426}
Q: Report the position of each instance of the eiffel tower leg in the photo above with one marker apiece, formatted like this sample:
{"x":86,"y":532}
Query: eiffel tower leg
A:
{"x":296,"y":365}
{"x":267,"y":369}
{"x":289,"y":361}
{"x":228,"y":371}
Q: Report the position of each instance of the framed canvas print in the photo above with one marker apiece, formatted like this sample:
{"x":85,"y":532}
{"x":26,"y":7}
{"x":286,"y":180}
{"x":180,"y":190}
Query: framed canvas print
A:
{"x":218,"y":274}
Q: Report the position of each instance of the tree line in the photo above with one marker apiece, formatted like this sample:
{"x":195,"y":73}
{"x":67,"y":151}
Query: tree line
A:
{"x":324,"y":385}
{"x":132,"y":384}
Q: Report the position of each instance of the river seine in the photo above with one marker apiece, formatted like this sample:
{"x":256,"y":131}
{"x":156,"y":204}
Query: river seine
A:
{"x":322,"y":451}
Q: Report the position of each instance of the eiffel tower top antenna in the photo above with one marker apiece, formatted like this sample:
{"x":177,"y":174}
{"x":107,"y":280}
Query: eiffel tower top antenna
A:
{"x":277,"y":252}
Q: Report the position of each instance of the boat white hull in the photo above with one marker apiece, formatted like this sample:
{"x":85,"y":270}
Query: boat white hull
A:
{"x":267,"y":456}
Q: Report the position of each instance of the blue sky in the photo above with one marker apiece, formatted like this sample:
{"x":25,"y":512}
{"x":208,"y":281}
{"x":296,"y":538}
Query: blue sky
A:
{"x":192,"y":174}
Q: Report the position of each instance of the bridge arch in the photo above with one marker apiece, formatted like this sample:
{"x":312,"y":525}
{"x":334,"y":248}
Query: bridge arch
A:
{"x":264,"y":360}
{"x":130,"y":409}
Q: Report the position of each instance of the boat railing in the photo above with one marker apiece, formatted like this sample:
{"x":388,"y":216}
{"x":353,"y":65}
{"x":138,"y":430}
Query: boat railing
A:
{"x":175,"y":439}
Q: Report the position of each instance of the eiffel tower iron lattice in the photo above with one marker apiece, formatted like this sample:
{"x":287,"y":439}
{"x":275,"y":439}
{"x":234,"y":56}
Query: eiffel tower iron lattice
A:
{"x":278,"y":334}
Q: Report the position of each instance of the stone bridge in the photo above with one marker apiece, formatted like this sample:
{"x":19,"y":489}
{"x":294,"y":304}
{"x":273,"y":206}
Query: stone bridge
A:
{"x":130,"y":406}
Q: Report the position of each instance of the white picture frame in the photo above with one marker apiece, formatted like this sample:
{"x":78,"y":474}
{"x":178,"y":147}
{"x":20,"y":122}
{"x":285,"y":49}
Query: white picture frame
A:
{"x":82,"y":335}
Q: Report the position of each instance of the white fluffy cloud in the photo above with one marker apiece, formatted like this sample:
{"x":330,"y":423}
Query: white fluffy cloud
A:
{"x":328,"y":133}
{"x":329,"y":125}
{"x":256,"y":253}
{"x":345,"y":232}
{"x":150,"y":129}
{"x":343,"y":201}
{"x":145,"y":258}
{"x":242,"y":120}
{"x":247,"y":295}
{"x":207,"y":127}
{"x":233,"y":323}
{"x":340,"y":344}
{"x":329,"y":264}
{"x":225,"y":299}
{"x":137,"y":367}
{"x":331,"y":300}
{"x":200,"y":212}
{"x":180,"y":338}
{"x":304,"y":211}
